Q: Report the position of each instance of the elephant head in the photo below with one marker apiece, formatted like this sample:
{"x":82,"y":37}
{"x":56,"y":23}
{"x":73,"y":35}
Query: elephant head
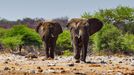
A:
{"x":49,"y":32}
{"x":80,"y":30}
{"x":91,"y":25}
{"x":51,"y":29}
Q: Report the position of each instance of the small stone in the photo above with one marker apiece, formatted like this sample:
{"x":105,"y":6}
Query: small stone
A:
{"x":51,"y":64}
{"x":120,"y":61}
{"x":13,"y":68}
{"x":63,"y":71}
{"x":94,"y":65}
{"x":40,"y":70}
{"x":7,"y":61}
{"x":38,"y":67}
{"x":32,"y":71}
{"x":79,"y":73}
{"x":31,"y":56}
{"x":103,"y":62}
{"x":16,"y":64}
{"x":71,"y":64}
{"x":7,"y":68}
{"x":52,"y":68}
{"x":118,"y":73}
{"x":61,"y":68}
{"x":132,"y":64}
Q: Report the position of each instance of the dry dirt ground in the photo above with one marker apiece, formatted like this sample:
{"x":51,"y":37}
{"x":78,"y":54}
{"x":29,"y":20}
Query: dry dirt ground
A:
{"x":11,"y":64}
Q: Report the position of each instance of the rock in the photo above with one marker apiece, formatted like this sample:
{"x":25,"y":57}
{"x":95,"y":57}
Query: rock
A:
{"x":120,"y":62}
{"x":110,"y":62}
{"x":118,"y":73}
{"x":62,"y":71}
{"x":32,"y":71}
{"x":79,"y":73}
{"x":16,"y":64}
{"x":38,"y":67}
{"x":31,"y":56}
{"x":71,"y":64}
{"x":51,"y":64}
{"x":103,"y":62}
{"x":132,"y":64}
{"x":13,"y":68}
{"x":40,"y":70}
{"x":7,"y":68}
{"x":7,"y":61}
{"x":94,"y":65}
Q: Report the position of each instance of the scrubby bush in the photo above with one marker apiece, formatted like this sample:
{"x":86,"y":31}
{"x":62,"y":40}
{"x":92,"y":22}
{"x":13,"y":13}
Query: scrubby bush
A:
{"x":29,"y":36}
{"x":20,"y":35}
{"x":64,"y":41}
{"x":12,"y":42}
{"x":67,"y":53}
{"x":128,"y":41}
{"x":2,"y":32}
{"x":108,"y":38}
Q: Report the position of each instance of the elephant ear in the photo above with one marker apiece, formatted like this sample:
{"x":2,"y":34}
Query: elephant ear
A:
{"x":69,"y":25}
{"x":38,"y":27}
{"x":57,"y":29}
{"x":94,"y":25}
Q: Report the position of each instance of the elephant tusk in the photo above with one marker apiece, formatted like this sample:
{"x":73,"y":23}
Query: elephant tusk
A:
{"x":79,"y":36}
{"x":52,"y":35}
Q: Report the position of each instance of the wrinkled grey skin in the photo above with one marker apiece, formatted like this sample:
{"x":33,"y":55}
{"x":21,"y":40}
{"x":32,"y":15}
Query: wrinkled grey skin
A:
{"x":49,"y":32}
{"x":80,"y":30}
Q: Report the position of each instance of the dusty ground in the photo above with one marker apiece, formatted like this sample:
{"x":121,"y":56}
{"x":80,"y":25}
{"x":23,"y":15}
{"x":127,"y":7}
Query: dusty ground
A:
{"x":11,"y":64}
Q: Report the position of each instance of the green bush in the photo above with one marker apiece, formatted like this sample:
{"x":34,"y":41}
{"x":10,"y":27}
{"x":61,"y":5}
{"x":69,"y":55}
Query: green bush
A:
{"x":2,"y":32}
{"x":12,"y":42}
{"x":108,"y":38}
{"x":67,"y":53}
{"x":128,"y":41}
{"x":20,"y":35}
{"x":29,"y":36}
{"x":64,"y":41}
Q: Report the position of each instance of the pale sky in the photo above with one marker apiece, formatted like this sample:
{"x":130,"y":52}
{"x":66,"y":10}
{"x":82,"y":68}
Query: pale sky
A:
{"x":49,"y":9}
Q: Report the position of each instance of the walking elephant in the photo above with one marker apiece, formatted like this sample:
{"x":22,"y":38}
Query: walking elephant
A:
{"x":49,"y":32}
{"x":80,"y":30}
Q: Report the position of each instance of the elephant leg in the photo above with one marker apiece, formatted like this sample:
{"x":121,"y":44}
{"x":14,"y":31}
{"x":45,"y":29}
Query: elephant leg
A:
{"x":76,"y":49}
{"x":53,"y":44}
{"x":84,"y":50}
{"x":46,"y":49}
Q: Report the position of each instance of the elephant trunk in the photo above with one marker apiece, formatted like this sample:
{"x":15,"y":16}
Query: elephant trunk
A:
{"x":78,"y":33}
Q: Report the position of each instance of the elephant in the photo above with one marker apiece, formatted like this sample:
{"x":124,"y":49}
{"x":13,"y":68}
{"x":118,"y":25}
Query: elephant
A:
{"x":80,"y":30}
{"x":49,"y":32}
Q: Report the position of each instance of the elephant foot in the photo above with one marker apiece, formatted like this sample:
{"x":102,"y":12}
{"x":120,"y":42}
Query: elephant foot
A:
{"x":82,"y":62}
{"x":77,"y":61}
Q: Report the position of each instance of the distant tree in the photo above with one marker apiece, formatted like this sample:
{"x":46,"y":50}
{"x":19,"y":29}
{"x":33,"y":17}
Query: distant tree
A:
{"x":122,"y":17}
{"x":86,"y":15}
{"x":62,"y":21}
{"x":110,"y":37}
{"x":32,"y":23}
